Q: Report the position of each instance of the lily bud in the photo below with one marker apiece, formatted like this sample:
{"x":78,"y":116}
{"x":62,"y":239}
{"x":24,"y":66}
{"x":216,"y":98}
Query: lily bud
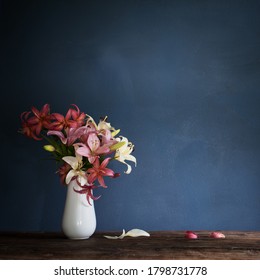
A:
{"x":117,"y":146}
{"x":114,"y":133}
{"x":49,"y":148}
{"x":216,"y":234}
{"x":191,"y":235}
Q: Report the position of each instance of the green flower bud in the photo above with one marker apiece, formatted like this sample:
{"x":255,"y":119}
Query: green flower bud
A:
{"x":49,"y":148}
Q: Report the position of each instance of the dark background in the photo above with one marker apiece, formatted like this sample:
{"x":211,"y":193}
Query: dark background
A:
{"x":180,"y":78}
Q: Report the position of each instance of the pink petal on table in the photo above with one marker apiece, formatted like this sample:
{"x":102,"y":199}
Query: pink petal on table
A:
{"x":191,"y":235}
{"x":216,"y":234}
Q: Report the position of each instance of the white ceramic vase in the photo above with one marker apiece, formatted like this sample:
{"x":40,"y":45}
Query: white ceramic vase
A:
{"x":79,"y":217}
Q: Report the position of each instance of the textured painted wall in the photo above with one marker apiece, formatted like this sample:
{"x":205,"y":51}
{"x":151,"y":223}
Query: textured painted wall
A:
{"x":180,"y":78}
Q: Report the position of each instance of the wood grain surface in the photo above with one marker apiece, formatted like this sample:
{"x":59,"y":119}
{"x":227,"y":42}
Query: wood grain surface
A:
{"x":160,"y":245}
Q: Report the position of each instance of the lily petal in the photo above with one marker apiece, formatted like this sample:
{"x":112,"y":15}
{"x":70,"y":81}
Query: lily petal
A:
{"x":131,"y":158}
{"x":72,"y":161}
{"x":191,"y":235}
{"x":122,"y":235}
{"x":59,"y":134}
{"x":129,"y":168}
{"x":137,"y":232}
{"x":70,"y":175}
{"x":132,"y":233}
{"x":82,"y":178}
{"x":115,"y":237}
{"x":114,"y":133}
{"x":217,"y":235}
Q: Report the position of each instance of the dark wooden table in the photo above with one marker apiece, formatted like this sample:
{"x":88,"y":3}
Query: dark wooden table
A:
{"x":160,"y":245}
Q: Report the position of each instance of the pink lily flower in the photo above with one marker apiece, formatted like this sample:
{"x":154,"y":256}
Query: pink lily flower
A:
{"x":73,"y":119}
{"x":217,"y":235}
{"x":28,"y":129}
{"x":77,"y":116}
{"x":104,"y":130}
{"x":41,"y":119}
{"x":88,"y":191}
{"x":191,"y":235}
{"x":63,"y":171}
{"x":107,"y":138}
{"x":98,"y":171}
{"x":72,"y":134}
{"x":93,"y":148}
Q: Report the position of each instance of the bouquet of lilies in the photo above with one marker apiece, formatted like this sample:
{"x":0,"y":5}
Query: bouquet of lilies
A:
{"x":81,"y":146}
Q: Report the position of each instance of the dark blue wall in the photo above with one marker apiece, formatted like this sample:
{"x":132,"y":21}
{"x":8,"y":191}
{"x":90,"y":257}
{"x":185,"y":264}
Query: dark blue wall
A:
{"x":180,"y":78}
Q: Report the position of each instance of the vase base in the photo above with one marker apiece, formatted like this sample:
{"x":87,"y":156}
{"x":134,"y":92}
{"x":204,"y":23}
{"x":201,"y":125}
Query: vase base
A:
{"x":78,"y":238}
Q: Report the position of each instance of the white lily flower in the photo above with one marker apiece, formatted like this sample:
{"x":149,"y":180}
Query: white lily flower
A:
{"x":102,"y":125}
{"x":76,"y":165}
{"x":124,"y":153}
